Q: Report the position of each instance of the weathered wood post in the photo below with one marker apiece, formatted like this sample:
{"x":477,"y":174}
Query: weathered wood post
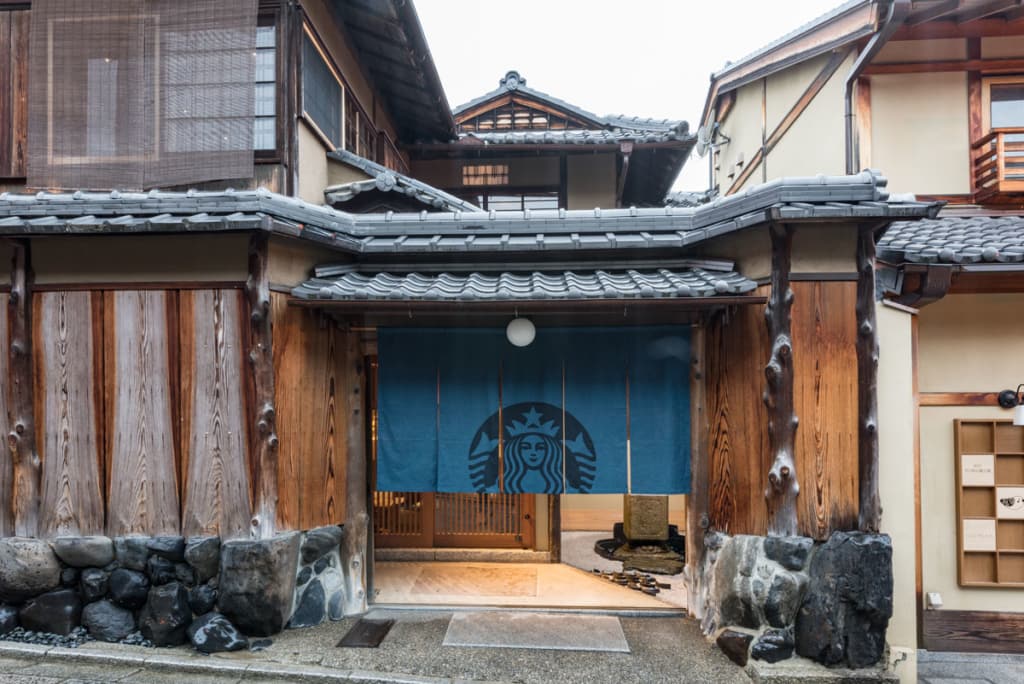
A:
{"x":357,"y":519}
{"x":778,"y":395}
{"x":870,"y":515}
{"x":21,"y":440}
{"x":697,"y":500}
{"x":261,"y":360}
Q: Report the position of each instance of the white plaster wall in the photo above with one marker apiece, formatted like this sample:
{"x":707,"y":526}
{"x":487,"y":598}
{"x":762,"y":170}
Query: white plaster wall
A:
{"x":743,"y":128}
{"x":312,"y":165}
{"x":591,"y":181}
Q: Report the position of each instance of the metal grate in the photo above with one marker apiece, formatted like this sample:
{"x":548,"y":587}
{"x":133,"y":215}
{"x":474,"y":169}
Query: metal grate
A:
{"x":134,"y":94}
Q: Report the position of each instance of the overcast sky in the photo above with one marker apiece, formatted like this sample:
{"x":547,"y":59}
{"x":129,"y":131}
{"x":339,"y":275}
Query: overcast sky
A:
{"x":635,"y":57}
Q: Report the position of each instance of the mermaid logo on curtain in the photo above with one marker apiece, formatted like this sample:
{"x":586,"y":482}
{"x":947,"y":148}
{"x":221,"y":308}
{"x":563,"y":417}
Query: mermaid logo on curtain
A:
{"x":532,"y":436}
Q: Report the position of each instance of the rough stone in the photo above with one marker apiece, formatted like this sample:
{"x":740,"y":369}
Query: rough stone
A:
{"x":166,"y":615}
{"x":735,"y":645}
{"x":260,"y":645}
{"x":57,"y":611}
{"x":84,"y":552}
{"x":304,"y":575}
{"x":27,"y":568}
{"x":68,"y":577}
{"x":257,"y":582}
{"x":128,"y":588}
{"x":336,"y":605}
{"x":8,"y":618}
{"x":131,"y":552}
{"x":93,"y":584}
{"x":214,"y":633}
{"x":310,"y":610}
{"x":169,"y":547}
{"x":783,"y":598}
{"x":320,"y":541}
{"x":321,"y":565}
{"x":202,"y":599}
{"x":789,"y":552}
{"x":107,"y":621}
{"x":732,"y":583}
{"x":773,"y":645}
{"x":184,"y":573}
{"x":160,"y":570}
{"x":203,"y":554}
{"x":848,"y":602}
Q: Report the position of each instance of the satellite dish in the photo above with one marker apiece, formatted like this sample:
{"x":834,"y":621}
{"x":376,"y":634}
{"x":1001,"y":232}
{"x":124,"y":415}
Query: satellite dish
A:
{"x":703,"y":141}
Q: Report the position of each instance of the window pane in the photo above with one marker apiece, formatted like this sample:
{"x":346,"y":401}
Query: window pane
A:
{"x":321,"y":92}
{"x":1007,"y":106}
{"x":263,"y":133}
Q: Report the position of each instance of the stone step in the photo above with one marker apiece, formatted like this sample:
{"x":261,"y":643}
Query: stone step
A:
{"x":804,"y":671}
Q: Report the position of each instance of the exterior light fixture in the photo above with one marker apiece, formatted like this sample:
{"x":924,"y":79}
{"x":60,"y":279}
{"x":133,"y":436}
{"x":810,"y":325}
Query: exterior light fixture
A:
{"x":1015,"y":400}
{"x":521,"y":332}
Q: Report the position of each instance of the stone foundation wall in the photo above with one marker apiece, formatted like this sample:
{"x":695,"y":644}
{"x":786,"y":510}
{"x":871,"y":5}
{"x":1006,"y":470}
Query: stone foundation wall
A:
{"x":170,"y":590}
{"x":769,"y":598}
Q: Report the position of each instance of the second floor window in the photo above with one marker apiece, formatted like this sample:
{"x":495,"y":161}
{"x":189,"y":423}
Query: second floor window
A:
{"x":264,"y":132}
{"x":321,"y":92}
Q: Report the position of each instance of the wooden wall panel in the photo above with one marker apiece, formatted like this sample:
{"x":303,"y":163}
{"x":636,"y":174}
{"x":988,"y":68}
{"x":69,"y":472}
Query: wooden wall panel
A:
{"x":216,"y":492}
{"x":140,"y":427}
{"x":825,"y":398}
{"x":309,"y":374}
{"x":6,"y":465}
{"x":66,"y":413}
{"x":738,"y":457}
{"x":14,"y":27}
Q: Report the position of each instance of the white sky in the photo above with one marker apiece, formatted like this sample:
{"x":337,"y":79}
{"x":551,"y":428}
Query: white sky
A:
{"x":636,"y":57}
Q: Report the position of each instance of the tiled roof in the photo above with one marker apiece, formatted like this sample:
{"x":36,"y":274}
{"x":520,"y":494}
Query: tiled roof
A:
{"x":525,"y":285}
{"x":687,"y":198}
{"x":384,"y":179}
{"x":955,"y":240}
{"x":582,"y":137}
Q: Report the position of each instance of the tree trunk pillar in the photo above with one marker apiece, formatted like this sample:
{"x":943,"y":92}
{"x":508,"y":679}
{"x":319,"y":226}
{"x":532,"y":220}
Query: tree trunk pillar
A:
{"x":870,"y":515}
{"x":783,"y":487}
{"x":355,"y":546}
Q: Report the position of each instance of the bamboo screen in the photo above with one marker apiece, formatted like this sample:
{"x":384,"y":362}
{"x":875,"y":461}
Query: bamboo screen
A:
{"x":133,"y":94}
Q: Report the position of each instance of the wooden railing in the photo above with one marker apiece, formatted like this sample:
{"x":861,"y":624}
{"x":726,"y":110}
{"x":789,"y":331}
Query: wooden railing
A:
{"x":998,"y":162}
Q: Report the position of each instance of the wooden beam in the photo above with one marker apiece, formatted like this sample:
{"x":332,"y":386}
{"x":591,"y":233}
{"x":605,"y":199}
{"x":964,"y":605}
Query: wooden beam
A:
{"x":986,"y":10}
{"x":863,"y":113}
{"x":987,"y":66}
{"x":959,"y":399}
{"x":790,"y":118}
{"x":982,"y":28}
{"x":930,"y":286}
{"x":261,"y":361}
{"x":870,"y":516}
{"x":21,"y":440}
{"x":918,"y":542}
{"x":555,"y":528}
{"x":625,"y":149}
{"x":697,"y":520}
{"x":783,"y":487}
{"x":355,"y":549}
{"x":936,"y":10}
{"x":973,"y":631}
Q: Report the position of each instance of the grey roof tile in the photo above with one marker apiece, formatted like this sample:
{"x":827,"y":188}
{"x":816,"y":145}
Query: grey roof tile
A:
{"x":955,"y":240}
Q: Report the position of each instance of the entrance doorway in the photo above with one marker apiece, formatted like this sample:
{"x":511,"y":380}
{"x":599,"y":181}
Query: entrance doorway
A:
{"x":437,"y":520}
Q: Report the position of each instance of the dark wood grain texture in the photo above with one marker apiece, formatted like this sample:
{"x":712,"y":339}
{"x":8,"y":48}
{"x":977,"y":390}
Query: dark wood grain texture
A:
{"x":870,"y":513}
{"x":357,"y":517}
{"x":973,"y":631}
{"x":697,"y":500}
{"x":6,"y":464}
{"x":21,"y":440}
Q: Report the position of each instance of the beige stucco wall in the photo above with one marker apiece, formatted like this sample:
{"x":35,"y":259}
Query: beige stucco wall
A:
{"x":896,"y":479}
{"x":591,"y":181}
{"x":292,"y":261}
{"x":312,"y":165}
{"x":972,"y":343}
{"x":818,"y":249}
{"x":140,"y":258}
{"x":819,"y":127}
{"x":340,"y":172}
{"x":921,"y":50}
{"x":743,"y":128}
{"x":1001,"y":47}
{"x":919,"y":132}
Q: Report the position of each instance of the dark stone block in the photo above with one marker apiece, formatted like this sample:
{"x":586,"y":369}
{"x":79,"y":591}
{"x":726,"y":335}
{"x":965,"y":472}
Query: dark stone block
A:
{"x":320,"y":541}
{"x":783,"y":599}
{"x":321,"y":565}
{"x":203,"y":554}
{"x":336,"y":605}
{"x":310,"y":611}
{"x":94,"y":584}
{"x":131,"y":552}
{"x":160,"y":570}
{"x":58,"y":612}
{"x":84,"y":552}
{"x":260,"y":645}
{"x":8,"y":618}
{"x":68,"y":577}
{"x":774,"y":645}
{"x":107,"y":621}
{"x":184,"y":573}
{"x":214,"y":633}
{"x":171,"y":548}
{"x":166,"y":615}
{"x":257,"y":583}
{"x":304,"y":575}
{"x":202,"y":599}
{"x":789,"y":552}
{"x":848,"y":602}
{"x":28,"y":567}
{"x":128,"y":588}
{"x":735,"y":645}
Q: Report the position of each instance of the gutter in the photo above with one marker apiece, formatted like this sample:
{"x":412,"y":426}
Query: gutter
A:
{"x":898,"y":10}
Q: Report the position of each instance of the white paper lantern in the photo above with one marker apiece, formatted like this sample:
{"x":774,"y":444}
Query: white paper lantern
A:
{"x":520,"y":332}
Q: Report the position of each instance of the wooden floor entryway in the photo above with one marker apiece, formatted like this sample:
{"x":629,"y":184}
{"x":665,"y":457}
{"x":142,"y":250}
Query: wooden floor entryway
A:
{"x":429,"y":520}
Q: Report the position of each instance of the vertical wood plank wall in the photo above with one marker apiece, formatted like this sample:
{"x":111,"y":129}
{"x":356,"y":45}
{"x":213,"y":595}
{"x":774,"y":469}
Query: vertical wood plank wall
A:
{"x":825,"y":398}
{"x":310,"y":376}
{"x":14,"y":25}
{"x":6,"y":464}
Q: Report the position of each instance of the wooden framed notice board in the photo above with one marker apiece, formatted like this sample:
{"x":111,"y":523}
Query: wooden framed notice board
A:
{"x":990,"y":503}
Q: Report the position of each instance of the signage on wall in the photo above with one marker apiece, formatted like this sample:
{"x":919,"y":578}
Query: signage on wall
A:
{"x":1010,"y":503}
{"x":979,"y":535}
{"x":977,"y":470}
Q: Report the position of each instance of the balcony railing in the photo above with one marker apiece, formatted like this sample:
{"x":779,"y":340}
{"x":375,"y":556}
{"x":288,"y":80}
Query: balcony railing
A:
{"x":998,"y":162}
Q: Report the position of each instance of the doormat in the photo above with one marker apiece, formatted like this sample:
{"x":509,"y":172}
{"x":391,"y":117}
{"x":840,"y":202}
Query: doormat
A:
{"x":553,"y":631}
{"x":366,"y":634}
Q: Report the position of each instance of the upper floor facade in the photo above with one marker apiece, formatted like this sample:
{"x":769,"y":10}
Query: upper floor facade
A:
{"x":931,"y":92}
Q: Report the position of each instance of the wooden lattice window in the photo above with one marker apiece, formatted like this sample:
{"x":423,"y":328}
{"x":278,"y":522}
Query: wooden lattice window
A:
{"x":517,"y":116}
{"x":264,"y":125}
{"x":367,"y":138}
{"x":485,"y":174}
{"x":322,"y":92}
{"x":351,"y":123}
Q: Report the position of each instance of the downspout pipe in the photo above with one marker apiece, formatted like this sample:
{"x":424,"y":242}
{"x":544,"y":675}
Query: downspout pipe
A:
{"x":897,"y":12}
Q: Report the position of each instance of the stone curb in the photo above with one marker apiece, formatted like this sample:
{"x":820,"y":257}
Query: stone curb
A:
{"x":33,"y":653}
